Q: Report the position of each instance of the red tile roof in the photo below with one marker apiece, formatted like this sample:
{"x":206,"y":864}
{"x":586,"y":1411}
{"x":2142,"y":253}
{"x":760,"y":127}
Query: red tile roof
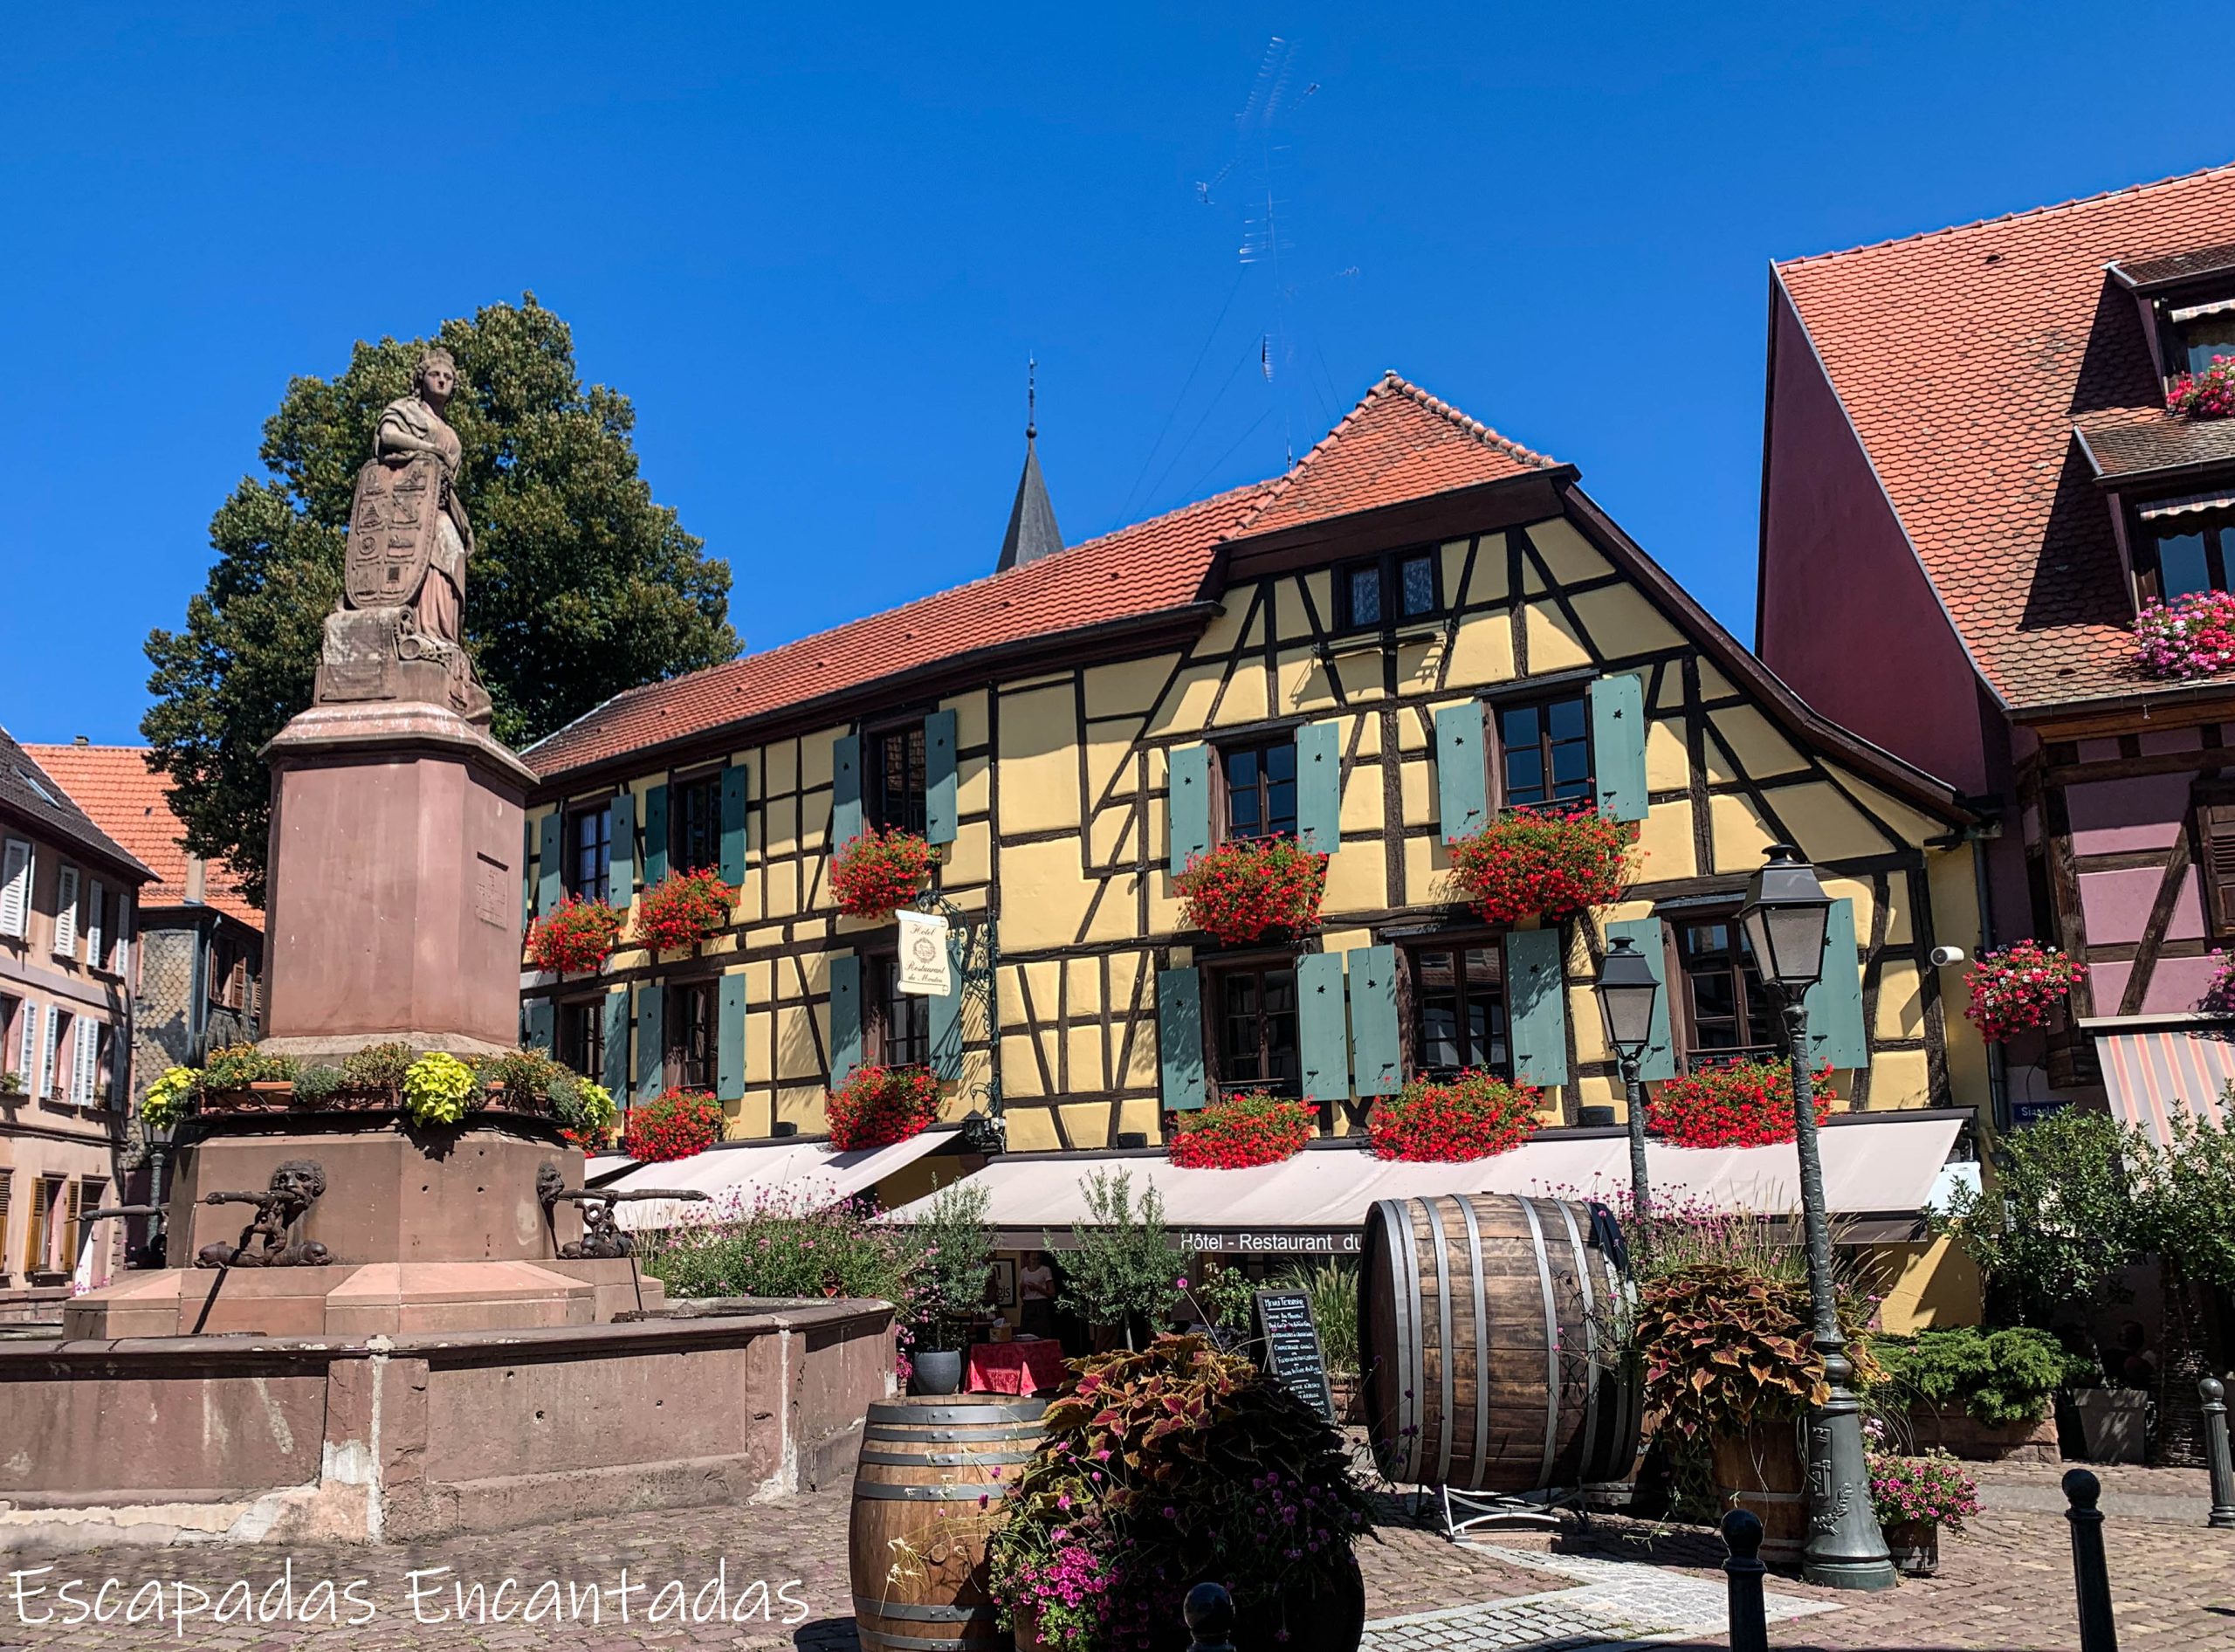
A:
{"x":1397,"y":443}
{"x":1965,"y":359}
{"x":125,"y":798}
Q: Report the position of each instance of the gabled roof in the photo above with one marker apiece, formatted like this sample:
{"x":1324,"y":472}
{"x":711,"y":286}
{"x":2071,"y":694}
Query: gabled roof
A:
{"x":32,"y":796}
{"x":1967,"y":359}
{"x":1397,"y":443}
{"x":114,"y":786}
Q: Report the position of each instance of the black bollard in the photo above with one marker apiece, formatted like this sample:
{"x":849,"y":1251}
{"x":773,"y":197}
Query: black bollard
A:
{"x":1209,"y":1612}
{"x":2216,"y":1447}
{"x":1742,"y":1535}
{"x":2098,"y":1631}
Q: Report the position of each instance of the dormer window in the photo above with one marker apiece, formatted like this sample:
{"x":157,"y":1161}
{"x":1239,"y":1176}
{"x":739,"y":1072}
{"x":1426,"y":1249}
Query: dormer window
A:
{"x":2184,"y":546}
{"x":2207,"y":332}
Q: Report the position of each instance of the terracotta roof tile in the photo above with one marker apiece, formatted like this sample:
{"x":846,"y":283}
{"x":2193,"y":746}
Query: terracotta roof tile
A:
{"x":30,"y":793}
{"x":1966,"y":358}
{"x":114,"y":786}
{"x":1397,"y":443}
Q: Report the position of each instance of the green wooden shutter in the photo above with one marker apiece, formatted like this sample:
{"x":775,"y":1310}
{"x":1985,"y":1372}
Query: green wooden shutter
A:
{"x":1835,"y":1029}
{"x":1320,"y":786}
{"x":1659,"y":1061}
{"x":1535,"y":997}
{"x":622,"y":827}
{"x":735,"y":779}
{"x":729,"y":1039}
{"x":1461,"y":780}
{"x":1189,"y":803}
{"x":615,"y":1078}
{"x":542,"y":1018}
{"x":946,"y":1010}
{"x":845,"y":790}
{"x":1618,"y":745}
{"x":939,"y":810}
{"x":550,"y":883}
{"x":845,"y":1016}
{"x":1322,"y":1029}
{"x":1179,"y":1039}
{"x":651,"y":1040}
{"x":527,"y":874}
{"x":1378,"y":1057}
{"x":654,"y":836}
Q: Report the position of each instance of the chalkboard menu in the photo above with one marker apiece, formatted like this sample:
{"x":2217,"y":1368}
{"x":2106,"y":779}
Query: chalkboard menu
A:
{"x":1292,"y":1355}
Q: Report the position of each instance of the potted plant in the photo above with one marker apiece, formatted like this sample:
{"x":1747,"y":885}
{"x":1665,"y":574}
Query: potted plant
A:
{"x":1124,"y":1269}
{"x":1248,"y":888}
{"x":878,"y":1105}
{"x":1547,"y":863}
{"x":576,"y":934}
{"x":2190,"y":636}
{"x":1915,"y":1498}
{"x":958,"y":1259}
{"x":1452,"y":1120}
{"x":878,"y":871}
{"x":1736,"y":1104}
{"x":785,"y":1243}
{"x":1981,"y":1394}
{"x":683,"y":908}
{"x":1239,"y":1131}
{"x":2019,"y":986}
{"x":674,"y":1124}
{"x":1165,"y":1467}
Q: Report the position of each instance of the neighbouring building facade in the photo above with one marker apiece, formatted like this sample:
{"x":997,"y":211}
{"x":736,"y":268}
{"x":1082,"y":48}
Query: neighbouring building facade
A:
{"x":1972,"y":488}
{"x":69,"y":895}
{"x":1419,"y":626}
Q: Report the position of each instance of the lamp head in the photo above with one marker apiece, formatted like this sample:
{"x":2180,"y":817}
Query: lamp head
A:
{"x":1785,"y":919}
{"x":1627,"y":991}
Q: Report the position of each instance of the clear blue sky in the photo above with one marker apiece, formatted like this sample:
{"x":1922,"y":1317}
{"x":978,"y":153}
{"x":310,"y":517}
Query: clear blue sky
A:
{"x":815,"y":244}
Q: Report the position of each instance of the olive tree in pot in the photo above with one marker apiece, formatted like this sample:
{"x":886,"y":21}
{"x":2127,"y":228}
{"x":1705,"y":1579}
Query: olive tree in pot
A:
{"x":1124,"y":1269}
{"x":958,"y":1257}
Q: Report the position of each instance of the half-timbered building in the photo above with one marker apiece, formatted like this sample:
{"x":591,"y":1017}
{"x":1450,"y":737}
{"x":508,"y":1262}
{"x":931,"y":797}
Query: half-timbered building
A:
{"x":1420,"y":625}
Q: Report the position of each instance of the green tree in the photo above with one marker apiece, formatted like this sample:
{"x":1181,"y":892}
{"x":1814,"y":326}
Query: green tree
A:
{"x":2184,"y":1207}
{"x":579,"y":586}
{"x":2050,"y":1230}
{"x":1124,"y":1265}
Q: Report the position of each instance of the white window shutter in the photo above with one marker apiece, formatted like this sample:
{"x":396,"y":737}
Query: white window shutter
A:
{"x":65,"y":912}
{"x":15,"y":887}
{"x":46,"y":1052}
{"x":96,"y":911}
{"x":85,"y":1061}
{"x":27,"y":1047}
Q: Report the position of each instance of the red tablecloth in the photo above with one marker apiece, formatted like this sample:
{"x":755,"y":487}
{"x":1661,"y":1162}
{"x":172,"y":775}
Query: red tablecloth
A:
{"x":1014,"y":1367}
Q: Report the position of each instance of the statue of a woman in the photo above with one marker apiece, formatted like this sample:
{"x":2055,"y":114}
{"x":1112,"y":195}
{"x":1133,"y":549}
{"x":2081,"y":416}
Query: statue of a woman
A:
{"x":412,"y":425}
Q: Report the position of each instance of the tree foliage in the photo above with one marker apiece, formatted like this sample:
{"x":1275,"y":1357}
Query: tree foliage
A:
{"x":2058,"y":1222}
{"x":1124,"y":1264}
{"x":579,"y":586}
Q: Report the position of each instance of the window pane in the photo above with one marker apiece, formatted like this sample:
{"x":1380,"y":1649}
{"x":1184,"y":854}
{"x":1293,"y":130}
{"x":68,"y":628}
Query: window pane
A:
{"x":1366,"y":595}
{"x":2211,"y":336}
{"x":1282,"y":1067}
{"x":1524,"y":774}
{"x":2181,"y":565}
{"x":1280,"y":806}
{"x":1416,"y":578}
{"x":1568,"y":719}
{"x":1241,"y":800}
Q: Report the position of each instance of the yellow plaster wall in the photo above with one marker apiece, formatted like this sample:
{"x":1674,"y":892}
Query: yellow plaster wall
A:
{"x":1928,"y":1286}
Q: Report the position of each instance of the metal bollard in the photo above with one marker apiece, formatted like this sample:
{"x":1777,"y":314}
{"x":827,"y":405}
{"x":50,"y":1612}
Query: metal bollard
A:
{"x":2098,"y":1631}
{"x":1742,"y":1571}
{"x":2215,"y":1449}
{"x":1209,"y":1612}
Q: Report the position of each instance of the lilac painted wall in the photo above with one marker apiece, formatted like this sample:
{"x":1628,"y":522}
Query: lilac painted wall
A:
{"x":2114,"y":906}
{"x":1847,"y":616}
{"x":2114,"y":817}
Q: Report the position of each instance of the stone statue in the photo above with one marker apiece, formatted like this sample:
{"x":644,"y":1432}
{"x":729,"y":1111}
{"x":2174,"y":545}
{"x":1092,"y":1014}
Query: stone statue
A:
{"x":399,"y":633}
{"x":296,"y":1186}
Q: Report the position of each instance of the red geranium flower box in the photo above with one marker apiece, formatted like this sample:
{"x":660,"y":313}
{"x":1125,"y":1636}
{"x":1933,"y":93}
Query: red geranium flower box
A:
{"x":879,"y":1105}
{"x":878,"y":871}
{"x":683,"y":907}
{"x":2019,"y":988}
{"x":1543,"y":863}
{"x":1239,"y":1131}
{"x":575,"y":934}
{"x":1448,"y":1121}
{"x":672,"y":1126}
{"x":1250,"y":887}
{"x":1735,"y":1103}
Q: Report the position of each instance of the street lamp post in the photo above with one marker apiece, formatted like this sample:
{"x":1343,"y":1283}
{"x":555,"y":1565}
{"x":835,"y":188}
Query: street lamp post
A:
{"x":1784,"y":920}
{"x":161,"y":1139}
{"x":1627,"y":990}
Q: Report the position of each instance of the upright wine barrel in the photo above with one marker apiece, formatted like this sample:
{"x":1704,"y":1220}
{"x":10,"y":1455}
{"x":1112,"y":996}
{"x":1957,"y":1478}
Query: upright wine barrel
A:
{"x":1487,"y":1324}
{"x":916,"y":1546}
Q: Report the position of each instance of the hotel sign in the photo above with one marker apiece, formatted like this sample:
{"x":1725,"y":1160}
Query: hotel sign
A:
{"x":1320,"y":1241}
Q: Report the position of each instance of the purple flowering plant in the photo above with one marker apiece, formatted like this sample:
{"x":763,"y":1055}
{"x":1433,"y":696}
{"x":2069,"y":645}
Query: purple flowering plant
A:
{"x":1931,"y":1488}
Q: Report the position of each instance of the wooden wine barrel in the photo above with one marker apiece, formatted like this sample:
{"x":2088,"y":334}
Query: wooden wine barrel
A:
{"x":1486,"y":1331}
{"x":925,"y":1462}
{"x":1765,"y":1471}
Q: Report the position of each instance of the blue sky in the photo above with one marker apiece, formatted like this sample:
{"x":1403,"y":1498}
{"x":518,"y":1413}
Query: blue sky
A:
{"x":816,"y":246}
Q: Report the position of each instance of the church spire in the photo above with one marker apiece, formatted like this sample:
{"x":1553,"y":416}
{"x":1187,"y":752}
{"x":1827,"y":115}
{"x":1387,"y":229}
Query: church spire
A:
{"x":1033,"y":532}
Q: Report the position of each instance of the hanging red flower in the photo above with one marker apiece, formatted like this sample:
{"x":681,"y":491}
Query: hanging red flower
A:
{"x":1448,"y":1121}
{"x":2208,"y":395}
{"x":673,"y":1125}
{"x":879,"y":871}
{"x":1735,"y":1103}
{"x":1236,"y":1132}
{"x":1541,"y":863}
{"x":1249,"y":887}
{"x":577,"y":934}
{"x":2019,"y":988}
{"x":683,"y":907}
{"x":879,"y":1105}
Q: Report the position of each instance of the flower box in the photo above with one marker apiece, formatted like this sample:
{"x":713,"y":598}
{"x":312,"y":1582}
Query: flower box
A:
{"x":683,"y":909}
{"x":1249,"y":888}
{"x":676,"y":1125}
{"x":877,"y":871}
{"x":878,"y":1106}
{"x":1238,"y":1132}
{"x":2018,"y":988}
{"x":1543,"y":864}
{"x":2208,"y":395}
{"x":2191,"y":637}
{"x":1738,"y":1103}
{"x":1452,"y":1121}
{"x":577,"y":935}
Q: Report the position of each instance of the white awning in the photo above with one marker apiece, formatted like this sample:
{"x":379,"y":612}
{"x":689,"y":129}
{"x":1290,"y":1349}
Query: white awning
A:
{"x":602,"y":1167}
{"x":1874,"y":1166}
{"x":735,"y":1176}
{"x":2152,"y":510}
{"x":2152,"y":1072}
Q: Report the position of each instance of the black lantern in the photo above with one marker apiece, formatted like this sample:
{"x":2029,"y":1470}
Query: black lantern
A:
{"x":1627,"y":993}
{"x":1784,"y":920}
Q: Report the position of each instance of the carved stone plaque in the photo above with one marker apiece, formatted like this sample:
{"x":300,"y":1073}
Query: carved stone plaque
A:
{"x":392,"y":529}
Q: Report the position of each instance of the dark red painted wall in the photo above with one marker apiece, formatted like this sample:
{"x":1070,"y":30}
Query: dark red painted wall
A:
{"x":1847,"y":617}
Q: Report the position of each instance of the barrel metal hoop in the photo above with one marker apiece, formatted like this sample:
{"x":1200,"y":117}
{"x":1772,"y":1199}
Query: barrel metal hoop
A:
{"x":1007,"y":1414}
{"x":984,"y":1434}
{"x":876,"y":1492}
{"x":1630,"y":1413}
{"x":1434,"y":1211}
{"x":1587,"y":1467}
{"x":940,"y":1459}
{"x":1481,"y":1457}
{"x":1408,"y":1345}
{"x":878,"y":1641}
{"x":916,"y":1614}
{"x":1551,"y":1340}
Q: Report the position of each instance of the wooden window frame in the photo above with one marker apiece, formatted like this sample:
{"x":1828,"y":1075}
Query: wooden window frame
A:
{"x":571,"y":819}
{"x":879,"y":997}
{"x":913,"y":814}
{"x":1214,"y":975}
{"x":592,"y":1011}
{"x":1494,"y":744}
{"x":2219,"y":529}
{"x":681,"y":788}
{"x":1221,"y":796}
{"x":1389,"y":566}
{"x":1412,"y":1009}
{"x":675,"y":1030}
{"x":47,"y":1193}
{"x":2216,"y":881}
{"x":1677,"y":985}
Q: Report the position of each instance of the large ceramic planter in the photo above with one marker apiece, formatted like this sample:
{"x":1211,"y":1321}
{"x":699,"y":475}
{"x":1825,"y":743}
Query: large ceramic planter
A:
{"x":935,"y":1371}
{"x":1332,"y":1620}
{"x":1915,"y":1546}
{"x":2113,"y":1423}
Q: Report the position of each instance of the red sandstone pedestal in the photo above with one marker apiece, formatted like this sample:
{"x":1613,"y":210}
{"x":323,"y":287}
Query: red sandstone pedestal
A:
{"x":395,"y":910}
